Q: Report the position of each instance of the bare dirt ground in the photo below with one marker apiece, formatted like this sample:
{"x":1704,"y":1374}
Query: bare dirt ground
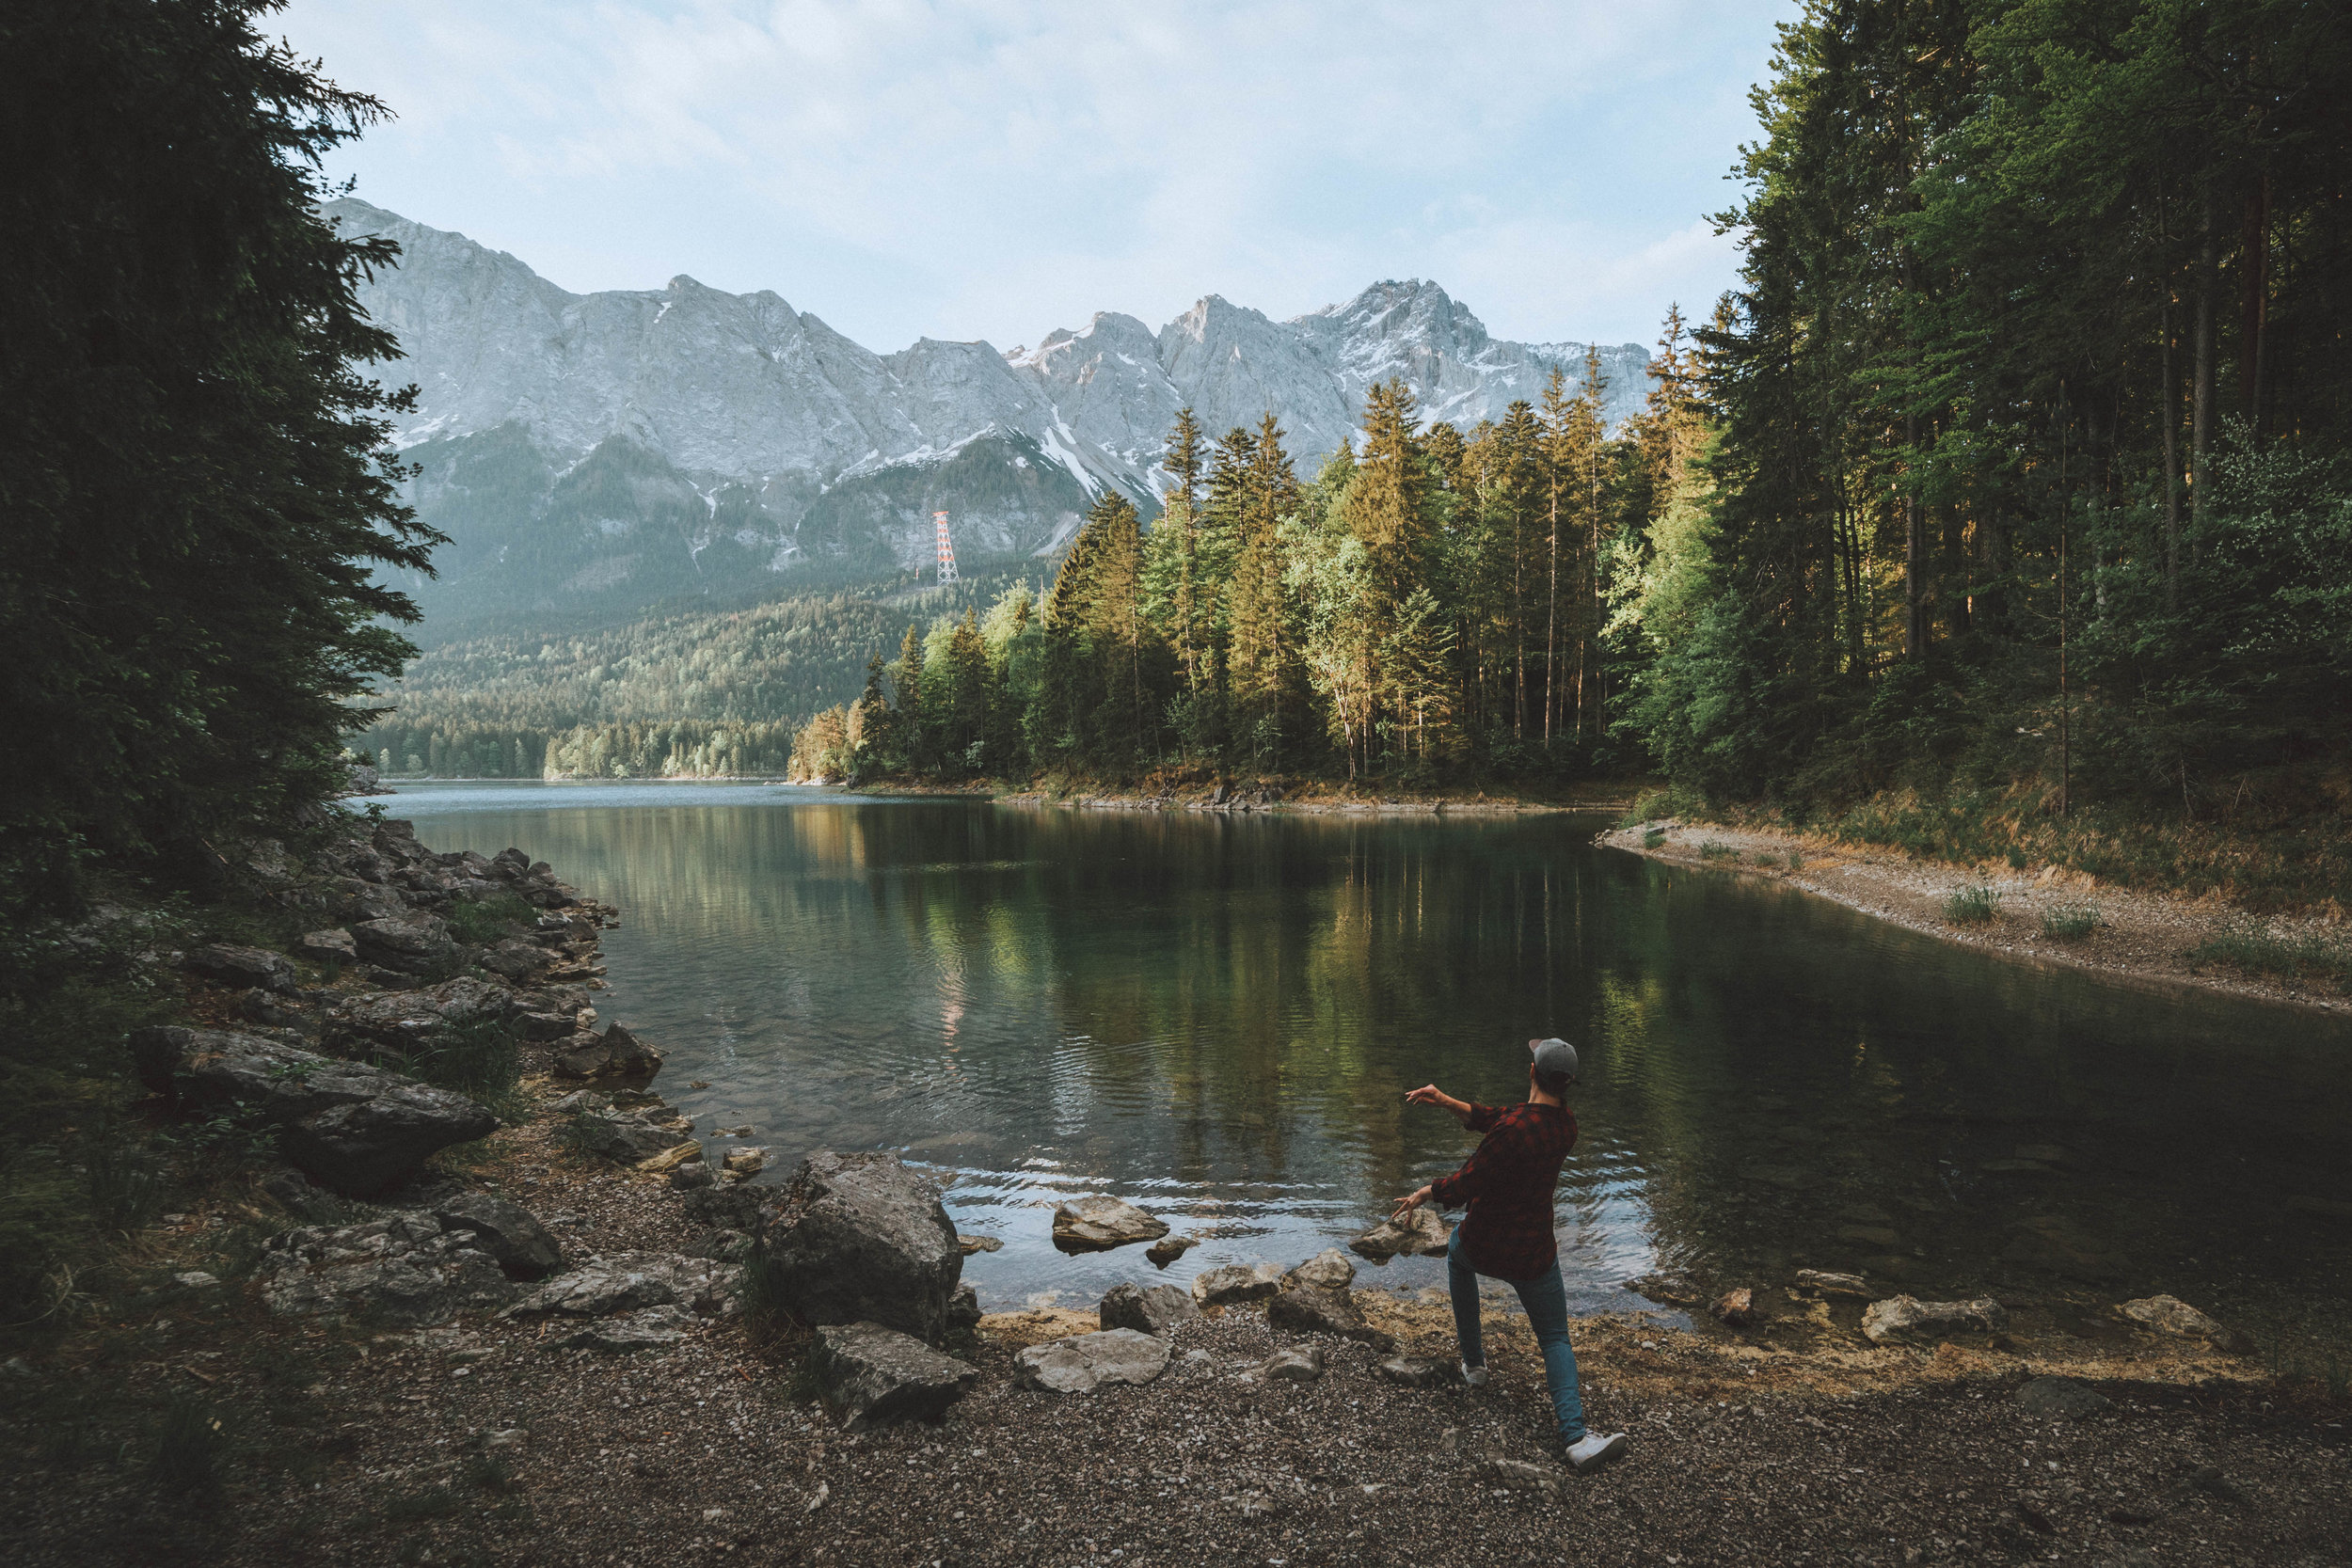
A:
{"x":1792,"y":1441}
{"x":2140,"y":939}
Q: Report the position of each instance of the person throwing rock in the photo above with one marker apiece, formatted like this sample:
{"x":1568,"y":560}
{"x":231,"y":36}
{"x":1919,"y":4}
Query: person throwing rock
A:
{"x":1507,"y":1234}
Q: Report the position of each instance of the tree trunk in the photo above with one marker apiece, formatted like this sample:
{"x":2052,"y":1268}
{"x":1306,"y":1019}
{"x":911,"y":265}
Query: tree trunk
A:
{"x":2253,"y":303}
{"x":2201,"y":416}
{"x":1915,"y":557}
{"x":2169,"y":415}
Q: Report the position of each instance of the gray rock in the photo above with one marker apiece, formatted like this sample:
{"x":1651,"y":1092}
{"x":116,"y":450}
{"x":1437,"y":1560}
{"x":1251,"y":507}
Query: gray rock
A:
{"x":1516,"y":1474}
{"x":2060,"y":1399}
{"x":691,"y":1175}
{"x":1417,"y":1371}
{"x":2172,"y":1315}
{"x":1099,"y":1223}
{"x":1293,"y":1365}
{"x":406,"y":1021}
{"x":507,"y":1231}
{"x":628,"y":1281}
{"x":404,"y":1270}
{"x":963,"y":1308}
{"x":970,"y":1245}
{"x":1328,"y":1270}
{"x":332,"y":946}
{"x":647,"y":1328}
{"x":357,"y":1129}
{"x":1085,"y":1362}
{"x":414,"y":943}
{"x":244,"y":966}
{"x":1423,"y":1233}
{"x":1821,"y":1282}
{"x":1309,"y":1310}
{"x":858,"y":1238}
{"x":517,"y":960}
{"x":1168,"y":1248}
{"x":725,"y":1246}
{"x":1147,"y":1309}
{"x":1908,"y":1321}
{"x":873,"y":1376}
{"x":1235,"y":1283}
{"x":614,"y":1053}
{"x":622,"y":1137}
{"x":196,"y":1279}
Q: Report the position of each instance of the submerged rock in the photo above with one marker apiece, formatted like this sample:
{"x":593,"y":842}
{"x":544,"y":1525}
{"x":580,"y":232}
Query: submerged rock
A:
{"x":860,"y":1238}
{"x":1821,"y":1282}
{"x":1168,"y":1248}
{"x":1737,"y":1308}
{"x":1908,"y":1321}
{"x":357,"y":1129}
{"x":874,"y":1376}
{"x":1085,"y":1362}
{"x":1099,"y":1223}
{"x":1147,"y":1309}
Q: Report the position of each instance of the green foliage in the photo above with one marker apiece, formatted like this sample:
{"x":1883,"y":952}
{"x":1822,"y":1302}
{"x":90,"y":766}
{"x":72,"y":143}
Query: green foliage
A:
{"x":482,"y":922}
{"x":2071,"y":922}
{"x":2252,"y":948}
{"x":1655,"y":838}
{"x":1972,"y":906}
{"x":188,"y":1446}
{"x":480,"y":1060}
{"x":1712,"y":851}
{"x":197,"y":489}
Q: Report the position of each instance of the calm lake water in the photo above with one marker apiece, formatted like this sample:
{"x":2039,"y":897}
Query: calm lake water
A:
{"x":1217,"y":1018}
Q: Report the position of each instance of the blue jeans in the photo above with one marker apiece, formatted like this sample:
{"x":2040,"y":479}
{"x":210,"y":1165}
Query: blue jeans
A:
{"x":1546,"y":1299}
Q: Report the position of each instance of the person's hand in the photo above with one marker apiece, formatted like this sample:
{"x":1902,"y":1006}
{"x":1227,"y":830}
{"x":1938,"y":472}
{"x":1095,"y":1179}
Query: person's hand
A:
{"x":1428,"y":1094}
{"x":1410,"y":1202}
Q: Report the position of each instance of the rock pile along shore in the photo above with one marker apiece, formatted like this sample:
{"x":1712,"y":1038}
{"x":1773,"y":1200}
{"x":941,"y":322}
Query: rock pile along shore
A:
{"x":589,"y":1340}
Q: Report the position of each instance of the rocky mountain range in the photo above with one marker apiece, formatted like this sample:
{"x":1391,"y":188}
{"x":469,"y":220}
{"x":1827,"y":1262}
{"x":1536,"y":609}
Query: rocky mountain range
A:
{"x":600,"y":454}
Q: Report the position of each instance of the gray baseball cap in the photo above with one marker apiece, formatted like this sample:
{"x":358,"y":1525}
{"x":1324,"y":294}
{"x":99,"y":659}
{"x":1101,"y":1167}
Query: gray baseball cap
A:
{"x":1553,"y":1056}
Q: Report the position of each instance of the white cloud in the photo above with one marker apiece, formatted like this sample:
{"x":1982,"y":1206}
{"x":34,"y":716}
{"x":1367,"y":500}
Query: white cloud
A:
{"x":991,"y":168}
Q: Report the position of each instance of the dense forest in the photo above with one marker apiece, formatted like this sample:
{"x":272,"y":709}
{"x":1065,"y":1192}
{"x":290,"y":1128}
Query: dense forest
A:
{"x":198,"y":493}
{"x":2013,"y":470}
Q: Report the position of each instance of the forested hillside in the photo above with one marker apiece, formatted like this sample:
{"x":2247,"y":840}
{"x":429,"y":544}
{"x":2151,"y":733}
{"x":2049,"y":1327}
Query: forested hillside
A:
{"x":2008,"y":493}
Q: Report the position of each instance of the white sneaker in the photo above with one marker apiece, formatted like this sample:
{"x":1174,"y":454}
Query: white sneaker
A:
{"x":1594,"y":1449}
{"x":1474,"y":1376}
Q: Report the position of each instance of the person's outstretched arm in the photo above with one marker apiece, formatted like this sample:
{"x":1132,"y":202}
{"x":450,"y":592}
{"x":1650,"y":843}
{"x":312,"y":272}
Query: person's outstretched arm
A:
{"x":1429,"y":1094}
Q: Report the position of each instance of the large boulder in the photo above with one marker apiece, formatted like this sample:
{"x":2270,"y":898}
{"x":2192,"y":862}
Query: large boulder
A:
{"x":624,"y":1137}
{"x":1099,"y":1223}
{"x":507,"y":1231}
{"x":405,"y":1022}
{"x":1085,"y":1362}
{"x":628,"y":1281}
{"x":1310,"y":1310}
{"x":413,"y":943}
{"x":348,"y":1126}
{"x":873,"y":1376}
{"x":405,"y":1270}
{"x":1908,"y":1321}
{"x":614,"y":1053}
{"x":1328,"y":1270}
{"x":1147,"y":1309}
{"x":859,"y":1238}
{"x":1423,"y":1232}
{"x":244,"y":966}
{"x":1235,"y":1283}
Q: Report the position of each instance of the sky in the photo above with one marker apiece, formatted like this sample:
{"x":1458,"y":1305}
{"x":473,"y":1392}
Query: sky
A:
{"x":997,"y":170}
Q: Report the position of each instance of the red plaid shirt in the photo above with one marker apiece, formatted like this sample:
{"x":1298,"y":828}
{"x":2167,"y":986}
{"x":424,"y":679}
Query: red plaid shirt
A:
{"x":1508,"y":1184}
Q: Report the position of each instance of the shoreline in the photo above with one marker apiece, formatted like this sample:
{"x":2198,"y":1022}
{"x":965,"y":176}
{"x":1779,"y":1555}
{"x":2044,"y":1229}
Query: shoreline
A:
{"x":662,"y":1433}
{"x":2140,"y":939}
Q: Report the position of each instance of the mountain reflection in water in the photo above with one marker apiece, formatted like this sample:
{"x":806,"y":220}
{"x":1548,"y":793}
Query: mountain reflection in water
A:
{"x":1217,"y":1018}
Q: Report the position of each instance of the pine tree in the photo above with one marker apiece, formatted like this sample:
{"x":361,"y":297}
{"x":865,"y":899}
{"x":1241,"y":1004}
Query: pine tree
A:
{"x":1262,"y":648}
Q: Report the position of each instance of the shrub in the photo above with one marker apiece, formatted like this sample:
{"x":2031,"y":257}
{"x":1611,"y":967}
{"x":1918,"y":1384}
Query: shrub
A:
{"x":1654,"y":838}
{"x":1796,"y":860}
{"x":2070,"y":922}
{"x":1972,"y":906}
{"x":1710,"y":850}
{"x":188,"y":1443}
{"x":2249,"y":947}
{"x":480,"y":1060}
{"x":484,"y":922}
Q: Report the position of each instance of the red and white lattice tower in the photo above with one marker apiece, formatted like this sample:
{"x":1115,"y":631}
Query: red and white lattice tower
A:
{"x":946,"y":550}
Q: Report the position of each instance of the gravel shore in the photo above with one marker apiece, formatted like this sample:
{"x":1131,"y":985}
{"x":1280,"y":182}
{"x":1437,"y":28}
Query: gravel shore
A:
{"x":2141,"y":937}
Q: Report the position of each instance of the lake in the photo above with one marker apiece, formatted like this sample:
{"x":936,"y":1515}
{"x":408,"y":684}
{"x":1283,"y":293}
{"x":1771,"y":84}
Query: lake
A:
{"x":1217,"y":1018}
